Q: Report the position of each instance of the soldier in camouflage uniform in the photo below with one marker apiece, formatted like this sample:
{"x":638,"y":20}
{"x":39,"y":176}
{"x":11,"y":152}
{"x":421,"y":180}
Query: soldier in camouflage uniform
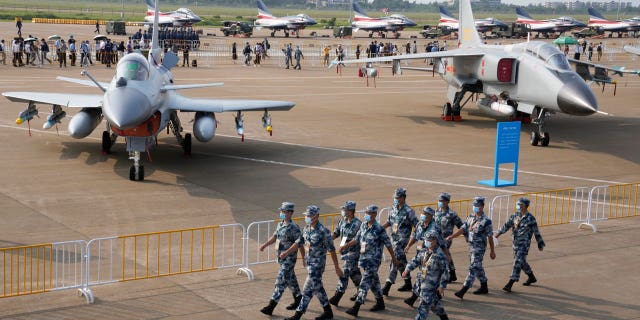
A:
{"x":371,"y":237}
{"x":347,"y":228}
{"x":523,"y":225}
{"x":434,"y":268}
{"x":447,"y":219}
{"x":478,"y":228}
{"x":401,"y":220}
{"x":426,"y":225}
{"x":287,"y":232}
{"x":316,"y":239}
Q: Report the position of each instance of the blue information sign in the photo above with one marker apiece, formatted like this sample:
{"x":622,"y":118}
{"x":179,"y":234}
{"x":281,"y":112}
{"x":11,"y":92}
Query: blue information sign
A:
{"x":507,"y":151}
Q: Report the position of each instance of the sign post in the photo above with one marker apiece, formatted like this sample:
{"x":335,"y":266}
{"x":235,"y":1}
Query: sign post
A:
{"x":507,"y":151}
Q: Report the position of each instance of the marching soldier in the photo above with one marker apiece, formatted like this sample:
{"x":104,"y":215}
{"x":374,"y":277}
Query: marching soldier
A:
{"x":317,"y":241}
{"x":286,"y":234}
{"x":523,"y":225}
{"x":401,"y":220}
{"x":371,"y":237}
{"x":447,"y":219}
{"x":347,"y":228}
{"x":433,"y":268}
{"x":478,"y":228}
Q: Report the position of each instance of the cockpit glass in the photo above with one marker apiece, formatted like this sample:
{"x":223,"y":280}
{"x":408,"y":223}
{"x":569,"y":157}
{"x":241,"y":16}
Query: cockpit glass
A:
{"x":133,"y":70}
{"x":559,"y":61}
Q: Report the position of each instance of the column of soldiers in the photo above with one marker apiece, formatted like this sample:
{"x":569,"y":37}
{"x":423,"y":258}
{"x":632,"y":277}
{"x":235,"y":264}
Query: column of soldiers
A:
{"x":362,"y":243}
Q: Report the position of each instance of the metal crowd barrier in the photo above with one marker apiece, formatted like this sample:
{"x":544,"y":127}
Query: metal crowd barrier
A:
{"x":612,"y":202}
{"x":26,"y":270}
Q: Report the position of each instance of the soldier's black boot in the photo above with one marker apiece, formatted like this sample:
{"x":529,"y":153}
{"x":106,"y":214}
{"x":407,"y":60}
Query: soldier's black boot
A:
{"x":406,"y":286}
{"x":296,"y":316}
{"x":532,"y":279}
{"x":379,"y":305}
{"x":452,"y":275}
{"x":354,"y":310}
{"x":507,"y":287}
{"x":461,"y":293}
{"x":354,"y":296}
{"x":444,"y":317}
{"x":295,"y":303}
{"x":327,"y":314}
{"x":268,"y":310}
{"x":483,"y":289}
{"x":336,"y":298}
{"x":411,"y":300}
{"x":385,"y":289}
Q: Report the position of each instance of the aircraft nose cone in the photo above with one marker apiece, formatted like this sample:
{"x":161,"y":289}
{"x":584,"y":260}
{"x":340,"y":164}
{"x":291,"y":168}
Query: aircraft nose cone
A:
{"x":126,"y":108}
{"x":311,"y":21}
{"x":576,"y":98}
{"x":410,"y":23}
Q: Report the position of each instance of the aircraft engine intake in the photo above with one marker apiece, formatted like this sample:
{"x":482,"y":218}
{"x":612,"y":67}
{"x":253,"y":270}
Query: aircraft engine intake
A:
{"x":84,"y":122}
{"x":204,"y":126}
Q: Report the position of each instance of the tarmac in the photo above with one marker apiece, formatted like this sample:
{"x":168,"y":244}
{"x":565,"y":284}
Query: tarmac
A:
{"x":342,"y":141}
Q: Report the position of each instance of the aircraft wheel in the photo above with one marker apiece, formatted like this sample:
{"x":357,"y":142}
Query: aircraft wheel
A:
{"x":286,"y":34}
{"x":132,"y":173}
{"x":446,"y":110}
{"x":544,"y":141}
{"x":106,"y":142}
{"x":273,"y":34}
{"x":187,"y":144}
{"x":535,"y":138}
{"x":383,"y":35}
{"x":370,"y":35}
{"x":141,"y":173}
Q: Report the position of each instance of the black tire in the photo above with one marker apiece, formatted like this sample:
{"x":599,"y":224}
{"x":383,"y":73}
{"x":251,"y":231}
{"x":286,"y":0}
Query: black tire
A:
{"x":544,"y":141}
{"x":286,"y":34}
{"x":383,"y":36}
{"x":370,"y":35}
{"x":132,"y":173}
{"x":141,"y":173}
{"x":446,"y":109}
{"x":106,"y":142}
{"x":273,"y":34}
{"x":535,"y":138}
{"x":187,"y":144}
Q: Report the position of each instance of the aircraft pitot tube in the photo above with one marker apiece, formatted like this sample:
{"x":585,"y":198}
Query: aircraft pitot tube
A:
{"x":83,"y":123}
{"x":55,"y":117}
{"x":27,"y":114}
{"x":204,"y":126}
{"x":266,"y":122}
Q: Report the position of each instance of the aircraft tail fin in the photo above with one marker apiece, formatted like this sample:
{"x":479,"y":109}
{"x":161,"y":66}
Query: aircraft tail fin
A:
{"x":358,"y":12}
{"x":523,"y":15}
{"x":150,"y":5}
{"x":595,"y":15}
{"x":154,"y":54}
{"x":263,"y":11}
{"x":469,"y":36}
{"x":446,"y":15}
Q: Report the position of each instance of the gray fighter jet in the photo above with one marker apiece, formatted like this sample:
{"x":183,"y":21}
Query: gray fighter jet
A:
{"x":139,"y":103}
{"x":531,"y":78}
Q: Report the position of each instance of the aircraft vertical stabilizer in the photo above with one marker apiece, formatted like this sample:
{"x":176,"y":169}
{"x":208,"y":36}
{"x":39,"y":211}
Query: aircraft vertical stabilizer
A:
{"x":522,"y":15}
{"x":468,"y":34}
{"x":154,"y":54}
{"x":150,"y":6}
{"x":263,"y":11}
{"x":358,"y":12}
{"x":594,"y":15}
{"x":445,"y":15}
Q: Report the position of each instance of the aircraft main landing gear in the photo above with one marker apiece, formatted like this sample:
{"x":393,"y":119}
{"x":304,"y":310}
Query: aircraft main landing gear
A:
{"x":176,"y":128}
{"x":540,"y":136}
{"x":451,"y":112}
{"x":136,"y":172}
{"x":108,"y":140}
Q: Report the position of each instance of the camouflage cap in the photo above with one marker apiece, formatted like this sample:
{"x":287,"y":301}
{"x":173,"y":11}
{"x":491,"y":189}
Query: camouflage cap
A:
{"x":524,"y":201}
{"x":444,"y":197}
{"x":478,"y":201}
{"x":312,"y":210}
{"x":287,"y":206}
{"x":349,"y":205}
{"x":400,"y":192}
{"x":429,"y":211}
{"x":431,"y":236}
{"x":372,"y":208}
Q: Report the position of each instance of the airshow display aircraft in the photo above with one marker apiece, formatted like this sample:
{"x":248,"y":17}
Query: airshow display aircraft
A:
{"x":597,"y":20}
{"x":545,"y":27}
{"x":482,"y":25}
{"x":178,"y":18}
{"x":139,"y":103}
{"x":510,"y":77}
{"x":286,"y":24}
{"x":393,"y":23}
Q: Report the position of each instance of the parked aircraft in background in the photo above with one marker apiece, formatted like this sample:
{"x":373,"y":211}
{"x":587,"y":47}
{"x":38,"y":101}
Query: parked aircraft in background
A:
{"x":382,"y":25}
{"x":597,"y":20}
{"x":180,"y":17}
{"x":286,"y":24}
{"x":545,"y":27}
{"x":139,"y":103}
{"x":510,"y":77}
{"x":482,"y":25}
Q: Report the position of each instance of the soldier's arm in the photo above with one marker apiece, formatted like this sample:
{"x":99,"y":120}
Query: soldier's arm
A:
{"x":507,"y":225}
{"x":444,"y":277}
{"x":456,"y":234}
{"x":268,"y":242}
{"x":291,"y":249}
{"x":492,"y":254}
{"x":536,"y":233}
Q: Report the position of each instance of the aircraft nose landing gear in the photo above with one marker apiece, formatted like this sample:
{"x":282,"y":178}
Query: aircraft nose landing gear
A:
{"x":542,"y":137}
{"x":136,"y":172}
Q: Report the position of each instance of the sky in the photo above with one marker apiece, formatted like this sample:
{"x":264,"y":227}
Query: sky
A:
{"x":527,"y":2}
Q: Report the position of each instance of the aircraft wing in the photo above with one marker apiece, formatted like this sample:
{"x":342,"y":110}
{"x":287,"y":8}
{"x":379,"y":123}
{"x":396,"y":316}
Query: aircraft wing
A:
{"x":415,"y":56}
{"x":226,"y":105}
{"x":61,"y":99}
{"x":582,"y":68}
{"x":632,"y":49}
{"x":83,"y":82}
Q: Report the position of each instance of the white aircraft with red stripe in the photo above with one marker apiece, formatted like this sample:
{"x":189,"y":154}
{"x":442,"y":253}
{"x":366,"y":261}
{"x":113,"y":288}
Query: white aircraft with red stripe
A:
{"x":180,"y":17}
{"x":597,"y":20}
{"x":286,"y":24}
{"x":545,"y":27}
{"x":393,"y":23}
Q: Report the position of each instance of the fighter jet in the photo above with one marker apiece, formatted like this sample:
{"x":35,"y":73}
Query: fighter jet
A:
{"x":596,"y":19}
{"x":139,"y":103}
{"x":483,"y":25}
{"x":393,"y":23}
{"x":531,"y":78}
{"x":178,"y":18}
{"x":286,"y":24}
{"x":545,"y":27}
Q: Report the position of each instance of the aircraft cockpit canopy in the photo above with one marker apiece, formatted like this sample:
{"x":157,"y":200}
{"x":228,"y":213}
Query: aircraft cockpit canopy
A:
{"x":133,"y":67}
{"x":549,"y":54}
